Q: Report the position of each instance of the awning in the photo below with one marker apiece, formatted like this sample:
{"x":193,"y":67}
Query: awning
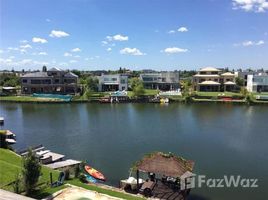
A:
{"x":229,"y":83}
{"x":209,"y":83}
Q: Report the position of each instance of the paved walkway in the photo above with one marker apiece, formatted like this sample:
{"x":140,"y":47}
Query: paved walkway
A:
{"x":6,"y":195}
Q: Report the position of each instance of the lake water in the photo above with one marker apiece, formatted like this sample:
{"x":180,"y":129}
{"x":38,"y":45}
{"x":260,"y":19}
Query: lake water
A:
{"x":222,"y":139}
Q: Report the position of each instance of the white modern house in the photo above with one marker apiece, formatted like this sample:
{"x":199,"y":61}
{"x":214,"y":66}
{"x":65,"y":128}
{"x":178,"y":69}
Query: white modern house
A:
{"x":257,"y":83}
{"x":113,"y":82}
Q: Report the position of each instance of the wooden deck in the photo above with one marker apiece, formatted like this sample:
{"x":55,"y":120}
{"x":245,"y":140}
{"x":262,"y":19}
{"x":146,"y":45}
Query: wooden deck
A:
{"x":62,"y":164}
{"x":162,"y":191}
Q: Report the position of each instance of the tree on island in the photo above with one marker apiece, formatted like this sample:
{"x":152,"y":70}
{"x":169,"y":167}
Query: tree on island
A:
{"x":31,"y":172}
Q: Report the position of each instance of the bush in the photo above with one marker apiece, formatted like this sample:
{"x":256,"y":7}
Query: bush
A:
{"x":17,"y":183}
{"x":31,"y":171}
{"x":82,"y":178}
{"x":67,"y":174}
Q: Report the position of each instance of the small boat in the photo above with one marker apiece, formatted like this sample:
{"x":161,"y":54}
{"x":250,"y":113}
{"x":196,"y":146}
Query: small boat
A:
{"x":94,"y":173}
{"x":2,"y":120}
{"x":90,"y":179}
{"x":165,"y":100}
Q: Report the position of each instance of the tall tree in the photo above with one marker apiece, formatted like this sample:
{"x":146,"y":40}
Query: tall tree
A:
{"x":31,"y":171}
{"x":44,"y":69}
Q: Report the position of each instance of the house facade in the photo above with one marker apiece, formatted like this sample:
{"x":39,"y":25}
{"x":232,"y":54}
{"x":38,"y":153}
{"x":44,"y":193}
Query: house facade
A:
{"x":161,"y":80}
{"x":54,"y":81}
{"x":257,"y":83}
{"x":113,"y":82}
{"x":210,"y":79}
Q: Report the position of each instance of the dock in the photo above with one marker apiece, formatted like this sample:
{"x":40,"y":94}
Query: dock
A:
{"x":50,"y":159}
{"x":63,"y":164}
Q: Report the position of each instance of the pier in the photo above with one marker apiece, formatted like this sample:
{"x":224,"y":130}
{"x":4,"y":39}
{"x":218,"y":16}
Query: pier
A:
{"x":50,"y":159}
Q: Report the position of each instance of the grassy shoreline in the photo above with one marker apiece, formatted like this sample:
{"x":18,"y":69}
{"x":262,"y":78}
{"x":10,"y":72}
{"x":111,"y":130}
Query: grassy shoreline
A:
{"x":198,"y":97}
{"x":11,"y":163}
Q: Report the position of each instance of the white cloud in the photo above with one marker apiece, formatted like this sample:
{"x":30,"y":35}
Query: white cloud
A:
{"x":48,"y":20}
{"x":247,"y":43}
{"x":260,"y":42}
{"x":77,"y":56}
{"x":39,"y":40}
{"x":72,"y":61}
{"x":43,"y":53}
{"x":11,"y":57}
{"x":117,"y":37}
{"x":109,"y":49}
{"x":76,"y":50}
{"x":21,"y":63}
{"x":104,"y":42}
{"x":24,"y":41}
{"x":26,"y":46}
{"x":251,"y":5}
{"x":251,"y":43}
{"x":58,"y":34}
{"x":132,"y":51}
{"x":171,"y":31}
{"x":1,"y":51}
{"x":171,"y":50}
{"x":67,"y":54}
{"x":182,"y":29}
{"x":13,"y":49}
{"x":23,"y":51}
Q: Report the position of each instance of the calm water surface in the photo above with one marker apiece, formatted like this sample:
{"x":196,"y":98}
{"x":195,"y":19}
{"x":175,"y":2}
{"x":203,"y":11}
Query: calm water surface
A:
{"x":221,"y":139}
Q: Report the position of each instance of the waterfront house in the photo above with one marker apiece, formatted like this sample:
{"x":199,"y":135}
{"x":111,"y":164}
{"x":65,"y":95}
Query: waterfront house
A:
{"x":161,"y":80}
{"x":257,"y":83}
{"x":54,"y":80}
{"x":113,"y":82}
{"x":210,"y":79}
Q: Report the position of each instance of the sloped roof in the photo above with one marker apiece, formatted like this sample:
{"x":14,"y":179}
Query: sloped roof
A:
{"x":35,"y":74}
{"x":165,"y":164}
{"x":70,"y":74}
{"x":209,"y":69}
{"x":54,"y":69}
{"x":227,"y":74}
{"x":209,"y":83}
{"x":207,"y":75}
{"x":229,"y":83}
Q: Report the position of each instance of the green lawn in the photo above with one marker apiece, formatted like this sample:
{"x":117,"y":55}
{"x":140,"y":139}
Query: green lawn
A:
{"x":11,"y":164}
{"x":28,"y":99}
{"x":103,"y":191}
{"x":215,"y":94}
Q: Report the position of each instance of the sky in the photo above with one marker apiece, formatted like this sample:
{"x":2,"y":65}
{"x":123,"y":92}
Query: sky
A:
{"x":135,"y":34}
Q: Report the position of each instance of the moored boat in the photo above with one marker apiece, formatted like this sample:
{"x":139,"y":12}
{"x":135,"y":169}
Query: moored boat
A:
{"x":94,"y":173}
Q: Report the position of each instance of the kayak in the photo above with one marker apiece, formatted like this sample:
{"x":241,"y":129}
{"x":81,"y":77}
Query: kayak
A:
{"x":90,"y":179}
{"x":94,"y":173}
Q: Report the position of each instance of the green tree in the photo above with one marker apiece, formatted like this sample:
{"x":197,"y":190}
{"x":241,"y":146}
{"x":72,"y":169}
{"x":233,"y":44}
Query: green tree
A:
{"x":17,"y":183}
{"x":44,"y":69}
{"x":244,"y":91}
{"x":92,"y":83}
{"x":136,"y":86}
{"x":239,"y":81}
{"x":31,"y":171}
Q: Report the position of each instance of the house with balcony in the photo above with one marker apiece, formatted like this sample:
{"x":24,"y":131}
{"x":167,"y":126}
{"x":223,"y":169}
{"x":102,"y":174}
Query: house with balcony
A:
{"x":53,"y":81}
{"x":210,"y":79}
{"x":257,"y":83}
{"x":113,"y":82}
{"x":161,"y":80}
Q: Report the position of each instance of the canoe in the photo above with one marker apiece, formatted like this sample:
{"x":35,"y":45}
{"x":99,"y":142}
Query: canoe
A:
{"x":94,"y":173}
{"x":90,"y":179}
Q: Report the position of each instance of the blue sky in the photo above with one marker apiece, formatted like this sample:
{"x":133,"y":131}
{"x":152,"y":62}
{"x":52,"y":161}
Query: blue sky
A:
{"x":136,"y":34}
